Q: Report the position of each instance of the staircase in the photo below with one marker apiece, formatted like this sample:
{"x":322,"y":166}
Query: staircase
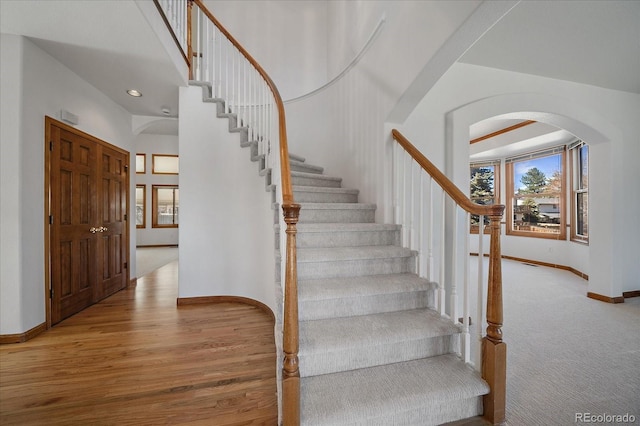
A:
{"x":372,"y":349}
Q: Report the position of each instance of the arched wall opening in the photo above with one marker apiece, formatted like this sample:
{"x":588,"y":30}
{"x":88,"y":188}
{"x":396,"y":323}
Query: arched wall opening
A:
{"x":584,"y":124}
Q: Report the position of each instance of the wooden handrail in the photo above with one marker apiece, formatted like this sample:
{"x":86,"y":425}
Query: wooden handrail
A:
{"x":189,"y":38}
{"x":494,"y":350}
{"x":445,"y":183}
{"x":291,"y":212}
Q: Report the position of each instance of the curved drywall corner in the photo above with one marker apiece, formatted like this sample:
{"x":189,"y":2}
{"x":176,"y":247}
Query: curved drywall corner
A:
{"x":140,"y":123}
{"x":573,"y":117}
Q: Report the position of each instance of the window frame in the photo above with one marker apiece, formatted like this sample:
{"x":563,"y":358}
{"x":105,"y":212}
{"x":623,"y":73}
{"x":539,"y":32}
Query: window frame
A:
{"x":144,"y":163}
{"x":154,"y":168}
{"x":575,"y":175}
{"x":510,"y":194}
{"x":144,"y":206}
{"x":154,"y":206}
{"x":496,"y":164}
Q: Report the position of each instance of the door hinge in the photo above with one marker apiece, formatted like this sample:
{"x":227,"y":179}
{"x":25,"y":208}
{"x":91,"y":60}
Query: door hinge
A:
{"x":51,"y":293}
{"x":50,"y":145}
{"x":126,"y":216}
{"x":50,"y":219}
{"x":126,"y":265}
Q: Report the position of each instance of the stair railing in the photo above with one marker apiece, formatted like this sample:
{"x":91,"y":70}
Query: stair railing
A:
{"x":175,"y":14}
{"x":249,"y":95}
{"x":413,"y":192}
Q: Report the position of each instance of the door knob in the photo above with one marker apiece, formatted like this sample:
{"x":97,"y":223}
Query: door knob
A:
{"x":93,"y":230}
{"x":103,"y":229}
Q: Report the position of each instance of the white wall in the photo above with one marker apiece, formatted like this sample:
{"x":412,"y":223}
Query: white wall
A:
{"x":287,"y":38}
{"x":10,"y":187}
{"x":606,"y":119}
{"x":150,"y":144}
{"x":347,"y":134}
{"x":35,"y":85}
{"x":226,"y":221}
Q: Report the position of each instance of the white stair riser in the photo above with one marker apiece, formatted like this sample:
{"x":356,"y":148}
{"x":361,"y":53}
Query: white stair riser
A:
{"x":353,"y":306}
{"x":353,"y":268}
{"x":377,"y":353}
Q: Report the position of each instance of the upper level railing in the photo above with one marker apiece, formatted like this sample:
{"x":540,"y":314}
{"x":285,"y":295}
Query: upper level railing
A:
{"x":245,"y":90}
{"x":176,"y":16}
{"x":413,"y":191}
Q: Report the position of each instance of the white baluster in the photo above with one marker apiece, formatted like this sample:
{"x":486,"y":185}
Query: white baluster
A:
{"x":411,"y":206}
{"x":396,"y":183}
{"x":227,"y":47}
{"x":207,"y":47}
{"x":481,"y":306}
{"x":443,"y":290}
{"x":211,"y":58}
{"x":245,"y":79}
{"x":466,"y":313}
{"x":430,"y":237}
{"x":421,"y":252}
{"x":454,"y":269}
{"x":198,"y":37}
{"x":404,"y":200}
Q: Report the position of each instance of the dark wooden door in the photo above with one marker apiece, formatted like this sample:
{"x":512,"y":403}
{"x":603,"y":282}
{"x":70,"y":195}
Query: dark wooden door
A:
{"x":88,"y":236}
{"x":112,"y":242}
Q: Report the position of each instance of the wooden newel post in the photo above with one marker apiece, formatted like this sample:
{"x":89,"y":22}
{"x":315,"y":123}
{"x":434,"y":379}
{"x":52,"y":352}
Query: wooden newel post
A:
{"x":290,"y":367}
{"x":189,"y":38}
{"x":494,"y":350}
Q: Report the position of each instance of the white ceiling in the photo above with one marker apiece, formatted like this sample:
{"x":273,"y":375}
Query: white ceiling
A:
{"x":590,"y":42}
{"x":532,"y":137}
{"x":110,"y":44}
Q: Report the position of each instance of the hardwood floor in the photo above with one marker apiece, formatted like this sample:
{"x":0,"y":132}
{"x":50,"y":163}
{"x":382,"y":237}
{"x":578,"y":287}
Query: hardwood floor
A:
{"x":136,"y":358}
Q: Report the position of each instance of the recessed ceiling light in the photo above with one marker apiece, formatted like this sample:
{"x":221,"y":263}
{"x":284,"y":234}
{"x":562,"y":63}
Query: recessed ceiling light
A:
{"x":134,"y":93}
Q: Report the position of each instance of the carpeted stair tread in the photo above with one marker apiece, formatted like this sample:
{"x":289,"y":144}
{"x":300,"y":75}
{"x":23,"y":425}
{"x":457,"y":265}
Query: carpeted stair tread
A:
{"x":349,"y":343}
{"x":368,"y":396}
{"x":363,"y":295}
{"x":301,"y":188}
{"x":323,"y":194}
{"x":296,"y":157}
{"x":337,"y":212}
{"x":314,"y":179}
{"x":364,"y":286}
{"x":346,"y":227}
{"x":327,"y":234}
{"x":305,"y":167}
{"x":334,"y":334}
{"x":332,"y":254}
{"x":338,"y":206}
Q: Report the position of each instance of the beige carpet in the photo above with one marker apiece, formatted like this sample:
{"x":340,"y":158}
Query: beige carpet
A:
{"x":148,"y":259}
{"x":567,"y":353}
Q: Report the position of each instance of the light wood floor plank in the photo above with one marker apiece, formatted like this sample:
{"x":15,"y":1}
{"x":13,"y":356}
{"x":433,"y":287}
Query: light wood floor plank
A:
{"x":137,"y":359}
